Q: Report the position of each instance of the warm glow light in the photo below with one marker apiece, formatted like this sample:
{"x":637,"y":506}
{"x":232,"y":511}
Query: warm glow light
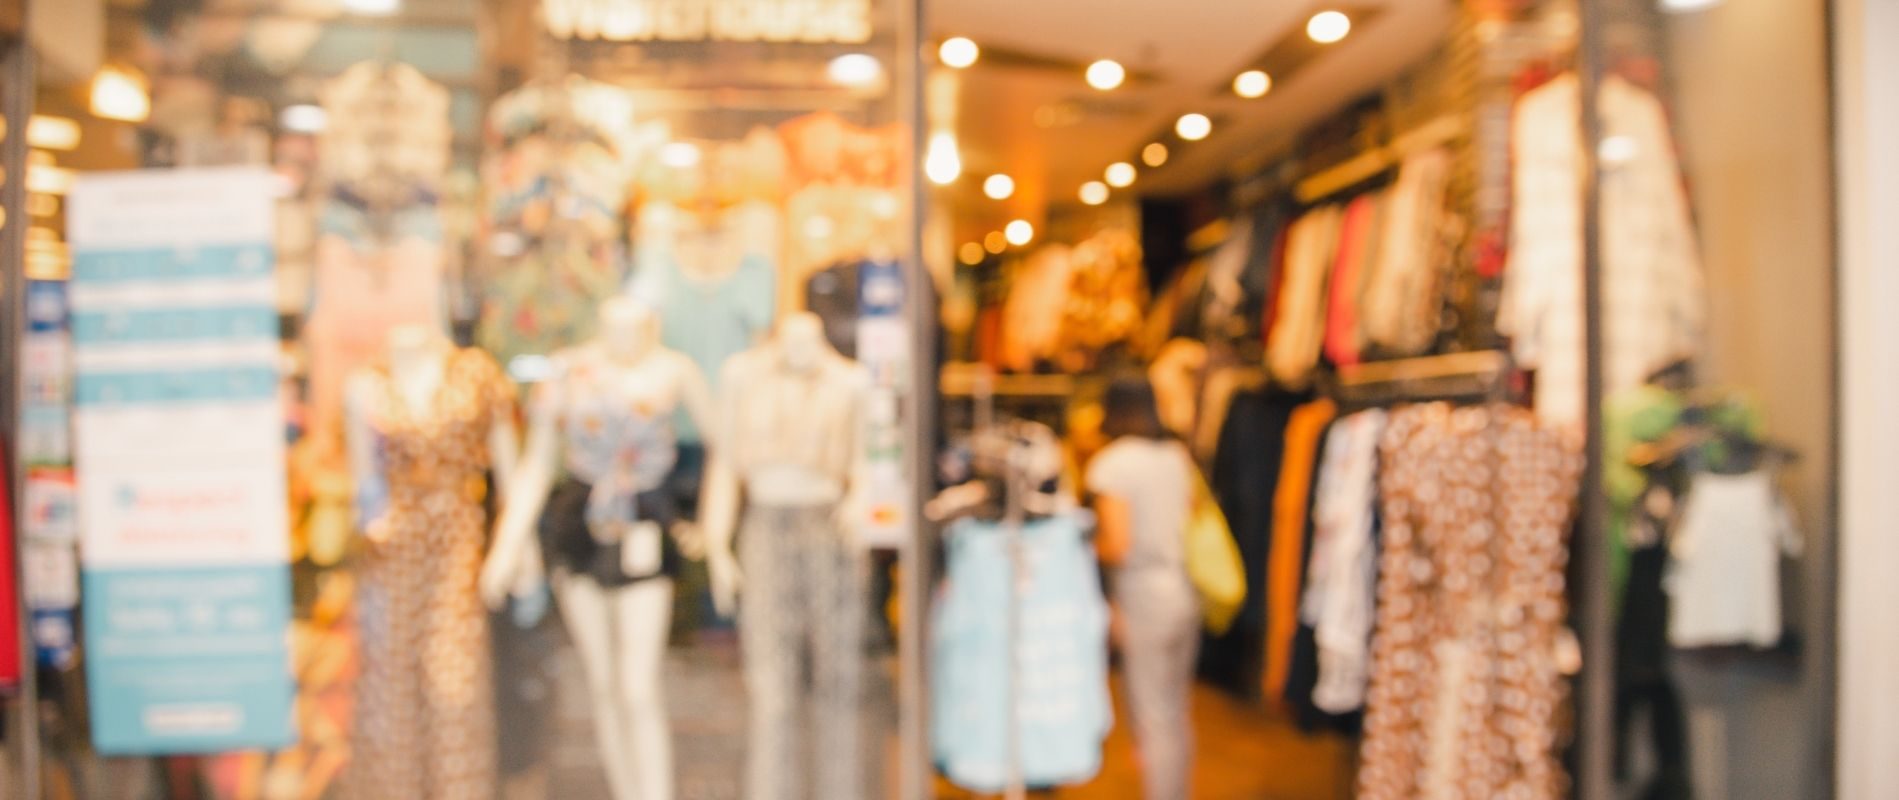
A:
{"x":52,"y":133}
{"x":998,"y":186}
{"x":51,"y":180}
{"x":1252,"y":84}
{"x":1327,"y":27}
{"x":971,"y":253}
{"x":855,"y":69}
{"x":1106,"y":74}
{"x":1094,"y":193}
{"x":1193,"y":127}
{"x":373,"y":7}
{"x":1120,"y":174}
{"x":959,"y":52}
{"x":995,"y":242}
{"x":1154,"y":154}
{"x":119,"y":93}
{"x":1685,"y":6}
{"x":1019,"y":232}
{"x":941,"y":163}
{"x":679,"y":155}
{"x":304,"y":118}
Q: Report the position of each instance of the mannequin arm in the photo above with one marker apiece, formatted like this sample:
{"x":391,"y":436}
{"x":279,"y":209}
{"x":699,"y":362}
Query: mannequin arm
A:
{"x":719,"y":495}
{"x":513,"y":559}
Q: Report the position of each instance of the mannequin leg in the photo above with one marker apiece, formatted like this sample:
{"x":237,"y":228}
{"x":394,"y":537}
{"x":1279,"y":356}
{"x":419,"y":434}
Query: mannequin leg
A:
{"x":769,"y":633}
{"x":642,"y":619}
{"x":837,"y":588}
{"x":584,"y":607}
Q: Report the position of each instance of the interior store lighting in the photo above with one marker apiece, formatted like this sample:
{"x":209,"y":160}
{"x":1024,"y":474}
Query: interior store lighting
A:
{"x":1328,"y":27}
{"x":51,"y":133}
{"x":679,"y":155}
{"x":998,"y":186}
{"x":1688,"y":6}
{"x":1106,"y":75}
{"x":1019,"y":232}
{"x":941,"y":163}
{"x":1154,"y":155}
{"x":971,"y":253}
{"x":855,"y":69}
{"x":1193,"y":127}
{"x":995,"y":242}
{"x":1253,"y":84}
{"x":1094,"y":193}
{"x":1120,"y":174}
{"x":120,"y":92}
{"x":958,"y":53}
{"x":304,"y":118}
{"x":379,"y":8}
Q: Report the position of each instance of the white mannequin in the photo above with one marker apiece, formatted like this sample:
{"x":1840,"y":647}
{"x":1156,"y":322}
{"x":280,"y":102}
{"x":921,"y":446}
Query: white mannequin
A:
{"x":798,"y":346}
{"x":620,"y":632}
{"x":418,"y":361}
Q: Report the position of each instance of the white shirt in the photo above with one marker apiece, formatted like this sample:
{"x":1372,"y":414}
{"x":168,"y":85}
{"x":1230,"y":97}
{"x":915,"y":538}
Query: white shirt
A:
{"x":1724,"y":575}
{"x":1153,"y":477}
{"x":1653,"y":305}
{"x":1342,"y":586}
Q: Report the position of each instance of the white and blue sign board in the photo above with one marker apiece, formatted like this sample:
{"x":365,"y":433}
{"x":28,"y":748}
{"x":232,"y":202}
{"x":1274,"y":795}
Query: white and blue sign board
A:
{"x":179,"y":451}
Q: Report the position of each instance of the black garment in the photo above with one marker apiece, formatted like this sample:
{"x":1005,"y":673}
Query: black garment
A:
{"x":1244,"y":477}
{"x":568,"y":543}
{"x":1643,"y":678}
{"x":833,"y":295}
{"x":1302,"y":678}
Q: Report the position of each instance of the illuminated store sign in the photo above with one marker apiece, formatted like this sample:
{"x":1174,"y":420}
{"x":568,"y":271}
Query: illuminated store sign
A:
{"x":813,"y":21}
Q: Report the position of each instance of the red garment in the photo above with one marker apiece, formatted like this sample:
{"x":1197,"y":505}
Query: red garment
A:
{"x":1342,"y":341}
{"x":1275,"y":278}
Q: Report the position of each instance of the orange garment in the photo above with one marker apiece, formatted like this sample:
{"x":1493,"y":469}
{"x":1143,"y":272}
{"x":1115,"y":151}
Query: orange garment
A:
{"x":1288,"y":553}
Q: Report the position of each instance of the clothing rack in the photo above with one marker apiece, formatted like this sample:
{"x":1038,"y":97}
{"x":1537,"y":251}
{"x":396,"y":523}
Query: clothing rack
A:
{"x":1477,"y":374}
{"x":1371,"y":163}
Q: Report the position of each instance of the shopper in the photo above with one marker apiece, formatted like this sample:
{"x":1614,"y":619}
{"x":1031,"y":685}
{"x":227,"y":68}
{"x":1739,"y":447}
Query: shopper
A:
{"x":1142,"y":484}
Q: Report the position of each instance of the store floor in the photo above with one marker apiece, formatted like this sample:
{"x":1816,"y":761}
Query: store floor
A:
{"x":1242,"y":753}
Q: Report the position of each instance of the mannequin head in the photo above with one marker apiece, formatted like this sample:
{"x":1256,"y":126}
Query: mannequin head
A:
{"x":801,"y":343}
{"x":629,"y":329}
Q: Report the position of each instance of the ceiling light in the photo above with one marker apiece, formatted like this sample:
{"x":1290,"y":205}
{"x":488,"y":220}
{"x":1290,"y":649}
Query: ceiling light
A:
{"x":998,"y":186}
{"x":995,"y":242}
{"x":1685,"y":6}
{"x":1193,"y":127}
{"x":51,"y":133}
{"x":119,"y":93}
{"x":1094,"y":193}
{"x":679,"y":155}
{"x":941,"y":163}
{"x":1019,"y":232}
{"x":1120,"y":174}
{"x":1106,"y":74}
{"x":855,"y":69}
{"x":1327,"y":27}
{"x":378,"y":8}
{"x":959,"y":52}
{"x":304,"y":118}
{"x":1253,"y":84}
{"x":1154,"y":155}
{"x":971,"y":253}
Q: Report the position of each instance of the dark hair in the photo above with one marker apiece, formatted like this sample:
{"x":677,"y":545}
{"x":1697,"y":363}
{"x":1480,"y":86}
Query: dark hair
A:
{"x":1131,"y":410}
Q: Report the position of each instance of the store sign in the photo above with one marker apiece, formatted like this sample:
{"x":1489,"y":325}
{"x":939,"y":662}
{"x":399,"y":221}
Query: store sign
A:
{"x":178,"y":439}
{"x":883,"y":348}
{"x":812,"y":21}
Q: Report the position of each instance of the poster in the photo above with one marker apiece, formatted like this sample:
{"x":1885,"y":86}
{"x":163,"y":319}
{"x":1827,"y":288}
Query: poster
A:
{"x":179,"y":457}
{"x":883,"y":348}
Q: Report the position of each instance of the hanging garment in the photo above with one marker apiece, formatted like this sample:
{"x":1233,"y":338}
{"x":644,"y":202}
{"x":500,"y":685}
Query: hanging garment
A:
{"x":1653,"y":304}
{"x":11,"y":663}
{"x":425,"y":725}
{"x":1293,"y":344}
{"x":710,"y":319}
{"x":1292,"y":500}
{"x":1724,"y":578}
{"x":1358,"y":249}
{"x":801,"y":624}
{"x":1466,"y":689}
{"x":1340,"y":592}
{"x":1065,"y":712}
{"x":1246,"y":468}
{"x":1403,"y":294}
{"x":1031,"y":317}
{"x":832,"y":294}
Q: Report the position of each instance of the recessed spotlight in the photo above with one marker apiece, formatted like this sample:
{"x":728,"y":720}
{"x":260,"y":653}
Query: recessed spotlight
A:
{"x":373,"y":7}
{"x":941,"y":163}
{"x":1094,"y":193}
{"x":995,"y":242}
{"x":1106,"y":74}
{"x":1252,"y":84}
{"x":1154,"y":155}
{"x":959,"y":53}
{"x":1686,"y":6}
{"x":998,"y":186}
{"x":1193,"y":127}
{"x":1120,"y":174}
{"x":1327,"y":27}
{"x":971,"y":253}
{"x":1019,"y":232}
{"x":855,"y":69}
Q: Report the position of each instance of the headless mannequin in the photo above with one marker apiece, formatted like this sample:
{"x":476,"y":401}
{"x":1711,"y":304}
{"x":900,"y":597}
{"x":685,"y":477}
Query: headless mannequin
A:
{"x":620,"y":632}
